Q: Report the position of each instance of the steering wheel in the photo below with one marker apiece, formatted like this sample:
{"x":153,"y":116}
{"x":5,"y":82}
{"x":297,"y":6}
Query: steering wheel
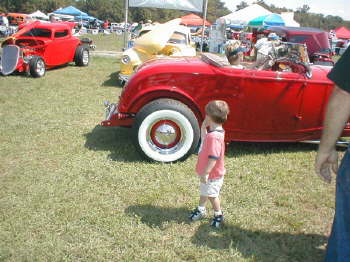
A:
{"x":294,"y":66}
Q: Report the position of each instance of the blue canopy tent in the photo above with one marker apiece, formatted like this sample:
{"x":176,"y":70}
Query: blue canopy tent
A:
{"x":85,"y":18}
{"x":267,"y":20}
{"x":70,"y":10}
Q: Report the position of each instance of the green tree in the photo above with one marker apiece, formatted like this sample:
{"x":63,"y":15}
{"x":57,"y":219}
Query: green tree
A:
{"x":304,"y":9}
{"x":241,"y":5}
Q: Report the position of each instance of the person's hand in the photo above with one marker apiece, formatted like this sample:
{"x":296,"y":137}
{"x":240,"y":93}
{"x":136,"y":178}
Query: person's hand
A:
{"x":325,"y":163}
{"x":204,"y":178}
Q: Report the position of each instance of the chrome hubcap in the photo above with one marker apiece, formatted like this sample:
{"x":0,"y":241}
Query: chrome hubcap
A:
{"x":40,"y":67}
{"x":165,"y":134}
{"x":85,"y":57}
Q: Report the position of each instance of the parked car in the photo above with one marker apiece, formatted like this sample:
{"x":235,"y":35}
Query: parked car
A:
{"x":345,"y":46}
{"x":3,"y":27}
{"x":17,"y":18}
{"x":164,"y":103}
{"x":40,"y":46}
{"x":316,"y":40}
{"x":169,"y":39}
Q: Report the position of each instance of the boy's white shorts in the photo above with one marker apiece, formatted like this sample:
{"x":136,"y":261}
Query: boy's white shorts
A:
{"x":212,"y":188}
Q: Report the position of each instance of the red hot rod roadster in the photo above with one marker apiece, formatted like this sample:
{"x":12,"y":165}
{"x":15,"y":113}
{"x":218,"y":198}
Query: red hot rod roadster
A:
{"x":164,"y":103}
{"x":40,"y":46}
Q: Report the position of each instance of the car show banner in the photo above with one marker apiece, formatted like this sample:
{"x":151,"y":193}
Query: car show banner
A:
{"x":188,"y":5}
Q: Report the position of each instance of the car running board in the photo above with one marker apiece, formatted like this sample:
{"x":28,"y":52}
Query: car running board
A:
{"x":340,"y":143}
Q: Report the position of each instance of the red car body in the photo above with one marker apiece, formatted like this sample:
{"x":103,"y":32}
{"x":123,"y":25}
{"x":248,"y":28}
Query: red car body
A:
{"x":53,"y":43}
{"x":266,"y":106}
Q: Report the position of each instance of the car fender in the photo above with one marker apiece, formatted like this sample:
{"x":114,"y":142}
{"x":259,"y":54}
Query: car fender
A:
{"x":171,"y":92}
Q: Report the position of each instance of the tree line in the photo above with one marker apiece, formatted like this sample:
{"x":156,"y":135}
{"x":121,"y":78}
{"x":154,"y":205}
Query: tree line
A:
{"x":113,"y":10}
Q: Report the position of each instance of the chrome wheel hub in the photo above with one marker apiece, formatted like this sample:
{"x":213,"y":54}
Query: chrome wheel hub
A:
{"x":85,"y":57}
{"x":40,"y":67}
{"x":165,"y":134}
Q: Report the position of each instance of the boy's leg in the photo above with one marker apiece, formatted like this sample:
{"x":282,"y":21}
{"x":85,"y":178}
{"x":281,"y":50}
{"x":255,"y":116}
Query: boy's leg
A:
{"x":200,"y":211}
{"x":218,"y":215}
{"x":215,"y":202}
{"x":202,"y":201}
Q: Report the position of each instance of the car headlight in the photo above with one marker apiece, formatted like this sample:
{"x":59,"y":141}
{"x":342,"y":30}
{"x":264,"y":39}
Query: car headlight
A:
{"x":125,"y":59}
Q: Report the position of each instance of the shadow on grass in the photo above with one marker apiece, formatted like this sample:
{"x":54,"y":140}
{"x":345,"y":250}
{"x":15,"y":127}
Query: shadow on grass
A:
{"x":263,"y":246}
{"x":236,"y":149}
{"x":113,"y":80}
{"x":116,"y":140}
{"x":260,"y":245}
{"x":154,"y":216}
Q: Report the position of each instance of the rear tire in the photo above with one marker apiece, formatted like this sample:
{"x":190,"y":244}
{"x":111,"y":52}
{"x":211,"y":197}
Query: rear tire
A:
{"x":166,"y":130}
{"x":37,"y":67}
{"x":82,"y":56}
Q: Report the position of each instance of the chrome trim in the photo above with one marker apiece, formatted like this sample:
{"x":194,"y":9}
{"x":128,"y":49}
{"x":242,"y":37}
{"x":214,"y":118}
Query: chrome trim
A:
{"x":110,"y":110}
{"x":124,"y":78}
{"x":340,"y":143}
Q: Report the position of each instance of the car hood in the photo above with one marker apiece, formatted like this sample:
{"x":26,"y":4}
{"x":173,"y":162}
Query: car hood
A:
{"x":155,"y":40}
{"x":25,"y":29}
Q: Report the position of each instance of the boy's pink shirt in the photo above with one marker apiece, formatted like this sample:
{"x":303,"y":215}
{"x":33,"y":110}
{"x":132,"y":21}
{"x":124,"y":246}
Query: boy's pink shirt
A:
{"x":213,"y":148}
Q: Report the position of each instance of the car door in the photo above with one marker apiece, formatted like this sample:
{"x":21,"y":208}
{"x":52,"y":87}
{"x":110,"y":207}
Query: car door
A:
{"x":60,"y":49}
{"x":265,"y":105}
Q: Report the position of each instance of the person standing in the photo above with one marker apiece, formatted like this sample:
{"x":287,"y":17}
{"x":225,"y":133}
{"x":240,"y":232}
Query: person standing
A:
{"x":338,"y":113}
{"x":210,"y":164}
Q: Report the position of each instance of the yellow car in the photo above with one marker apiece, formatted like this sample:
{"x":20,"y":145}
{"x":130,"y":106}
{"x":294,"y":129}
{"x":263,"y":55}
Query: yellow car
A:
{"x":168,"y":39}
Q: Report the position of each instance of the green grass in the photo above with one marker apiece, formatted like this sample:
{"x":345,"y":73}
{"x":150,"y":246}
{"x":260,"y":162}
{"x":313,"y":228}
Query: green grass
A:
{"x":104,"y":42}
{"x":72,"y":190}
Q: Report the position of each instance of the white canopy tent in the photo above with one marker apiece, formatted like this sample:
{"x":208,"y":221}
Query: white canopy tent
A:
{"x":288,"y":18}
{"x":39,"y":15}
{"x":243,"y":16}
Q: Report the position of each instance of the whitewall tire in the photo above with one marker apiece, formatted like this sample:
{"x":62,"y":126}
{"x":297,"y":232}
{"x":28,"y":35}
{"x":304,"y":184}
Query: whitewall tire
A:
{"x":166,"y":130}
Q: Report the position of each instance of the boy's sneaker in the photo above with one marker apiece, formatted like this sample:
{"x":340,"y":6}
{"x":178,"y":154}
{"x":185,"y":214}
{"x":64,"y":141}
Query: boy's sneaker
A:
{"x":197,"y":214}
{"x":217,"y":221}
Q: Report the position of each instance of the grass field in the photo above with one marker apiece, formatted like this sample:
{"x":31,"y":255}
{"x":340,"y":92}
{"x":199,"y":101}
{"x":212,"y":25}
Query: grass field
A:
{"x":72,"y":190}
{"x":104,"y":42}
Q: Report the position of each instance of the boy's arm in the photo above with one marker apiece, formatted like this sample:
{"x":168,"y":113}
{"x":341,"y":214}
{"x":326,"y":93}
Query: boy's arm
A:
{"x":204,"y":129}
{"x":210,"y":165}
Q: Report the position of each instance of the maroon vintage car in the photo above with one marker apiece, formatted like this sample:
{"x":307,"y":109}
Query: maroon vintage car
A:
{"x":316,"y":40}
{"x":40,"y":46}
{"x":164,"y":103}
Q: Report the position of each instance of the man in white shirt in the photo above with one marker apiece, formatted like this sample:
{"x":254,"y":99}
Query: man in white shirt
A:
{"x":264,"y":47}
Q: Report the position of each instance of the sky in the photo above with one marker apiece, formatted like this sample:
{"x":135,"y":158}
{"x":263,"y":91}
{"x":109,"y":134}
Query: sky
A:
{"x":327,"y":7}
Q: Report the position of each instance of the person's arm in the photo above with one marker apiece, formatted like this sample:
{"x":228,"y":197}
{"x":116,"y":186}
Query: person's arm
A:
{"x":210,"y":165}
{"x":204,"y":129}
{"x":338,"y":113}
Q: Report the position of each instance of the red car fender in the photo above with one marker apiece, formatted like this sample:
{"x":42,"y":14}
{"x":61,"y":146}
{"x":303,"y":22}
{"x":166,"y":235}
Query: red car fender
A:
{"x":145,"y":96}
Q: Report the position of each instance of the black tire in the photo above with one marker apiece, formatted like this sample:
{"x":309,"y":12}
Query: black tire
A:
{"x":37,"y":67}
{"x":166,"y":130}
{"x":82,"y":56}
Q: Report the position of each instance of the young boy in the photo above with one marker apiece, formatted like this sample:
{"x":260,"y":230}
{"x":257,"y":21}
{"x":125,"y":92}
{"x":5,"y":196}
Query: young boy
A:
{"x":210,"y":164}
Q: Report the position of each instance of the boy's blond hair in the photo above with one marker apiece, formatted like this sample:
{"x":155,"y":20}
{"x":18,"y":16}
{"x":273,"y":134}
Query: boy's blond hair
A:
{"x":217,"y":110}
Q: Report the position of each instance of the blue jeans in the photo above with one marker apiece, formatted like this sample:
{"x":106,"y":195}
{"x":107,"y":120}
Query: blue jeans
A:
{"x":338,"y":249}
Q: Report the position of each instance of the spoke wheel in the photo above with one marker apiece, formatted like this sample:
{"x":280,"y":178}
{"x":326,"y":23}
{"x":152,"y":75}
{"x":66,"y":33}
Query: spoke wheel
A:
{"x":37,"y":67}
